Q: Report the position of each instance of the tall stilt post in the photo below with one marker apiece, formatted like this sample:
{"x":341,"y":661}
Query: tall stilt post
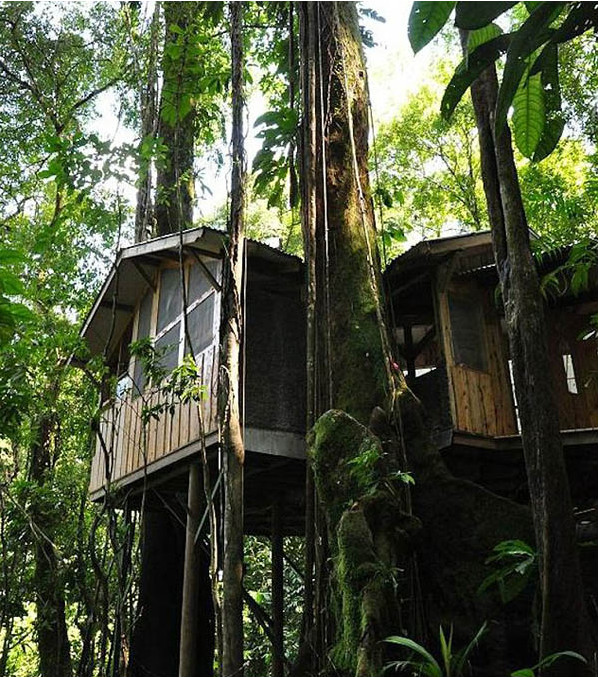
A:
{"x":191,"y":578}
{"x":277,"y":591}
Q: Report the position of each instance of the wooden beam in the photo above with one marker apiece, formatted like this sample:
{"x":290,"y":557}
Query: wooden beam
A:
{"x":213,"y":281}
{"x":424,"y":341}
{"x":123,"y":307}
{"x":412,"y":281}
{"x":277,"y":591}
{"x":144,"y":275}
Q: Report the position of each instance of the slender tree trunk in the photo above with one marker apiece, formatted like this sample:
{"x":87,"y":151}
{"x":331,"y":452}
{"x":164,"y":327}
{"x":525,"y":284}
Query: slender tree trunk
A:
{"x":564,"y":620}
{"x":149,"y":127}
{"x":229,"y":395}
{"x":52,"y":638}
{"x":308,"y":33}
{"x":175,"y":180}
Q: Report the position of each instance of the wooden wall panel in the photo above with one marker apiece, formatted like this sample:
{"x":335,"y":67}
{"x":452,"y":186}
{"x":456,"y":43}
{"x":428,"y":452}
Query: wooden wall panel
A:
{"x":482,"y":402}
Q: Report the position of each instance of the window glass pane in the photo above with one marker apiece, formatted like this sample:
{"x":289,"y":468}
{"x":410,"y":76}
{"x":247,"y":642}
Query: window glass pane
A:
{"x":170,"y":304}
{"x":570,"y":374}
{"x":467,"y":332}
{"x":145,"y":314}
{"x":169,"y":343}
{"x":200,"y":323}
{"x":199,"y":284}
{"x":143,"y":331}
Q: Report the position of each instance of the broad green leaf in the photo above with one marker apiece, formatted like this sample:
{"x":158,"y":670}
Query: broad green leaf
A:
{"x":528,"y":115}
{"x":482,"y":35}
{"x":533,"y":34}
{"x":531,"y":6}
{"x":554,"y":121}
{"x":425,"y":21}
{"x":582,"y":17}
{"x":526,"y":672}
{"x":433,"y":669}
{"x":473,"y":15}
{"x":470,"y":69}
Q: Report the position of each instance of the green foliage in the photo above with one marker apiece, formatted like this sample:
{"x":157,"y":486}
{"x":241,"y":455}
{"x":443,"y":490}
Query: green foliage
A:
{"x":452,"y":663}
{"x":426,"y":20}
{"x":470,"y":69}
{"x":471,"y":17}
{"x":427,"y":171}
{"x":530,"y":82}
{"x":546,"y":662}
{"x":271,"y":162}
{"x":515,"y":565}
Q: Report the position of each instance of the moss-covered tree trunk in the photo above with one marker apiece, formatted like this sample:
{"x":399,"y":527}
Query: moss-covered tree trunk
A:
{"x":175,"y":179}
{"x":375,"y":423}
{"x":349,"y":362}
{"x":564,"y":620}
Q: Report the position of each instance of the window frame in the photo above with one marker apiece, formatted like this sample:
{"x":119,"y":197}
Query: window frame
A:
{"x":182,"y":315}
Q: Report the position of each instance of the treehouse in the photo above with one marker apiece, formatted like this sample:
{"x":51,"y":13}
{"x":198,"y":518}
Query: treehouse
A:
{"x":449,"y":326}
{"x":147,"y":435}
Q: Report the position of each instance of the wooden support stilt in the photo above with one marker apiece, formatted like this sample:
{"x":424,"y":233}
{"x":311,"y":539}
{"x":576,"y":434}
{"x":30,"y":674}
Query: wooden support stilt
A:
{"x":277,"y":592}
{"x":191,"y":578}
{"x":409,"y":353}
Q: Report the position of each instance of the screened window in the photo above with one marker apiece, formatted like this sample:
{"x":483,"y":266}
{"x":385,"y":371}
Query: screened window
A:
{"x":167,"y":346}
{"x":201,"y":326}
{"x":467,"y":329}
{"x":170,"y":334}
{"x":171,"y":298}
{"x":143,"y":331}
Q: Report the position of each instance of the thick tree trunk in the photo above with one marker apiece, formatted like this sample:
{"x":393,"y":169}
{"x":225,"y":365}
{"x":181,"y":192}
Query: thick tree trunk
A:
{"x":52,"y":638}
{"x":359,"y":348}
{"x":175,"y":181}
{"x":230,"y":373}
{"x":156,"y":634}
{"x":357,"y":374}
{"x":149,"y":126}
{"x":564,"y":621}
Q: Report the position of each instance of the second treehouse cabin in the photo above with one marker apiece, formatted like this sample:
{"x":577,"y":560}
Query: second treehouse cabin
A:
{"x":449,"y":327}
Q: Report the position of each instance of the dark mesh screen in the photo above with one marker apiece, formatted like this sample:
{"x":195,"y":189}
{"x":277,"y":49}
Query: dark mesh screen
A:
{"x":143,"y":331}
{"x":467,"y":328}
{"x":170,"y":298}
{"x":199,"y":284}
{"x":169,"y":343}
{"x":200,"y":325}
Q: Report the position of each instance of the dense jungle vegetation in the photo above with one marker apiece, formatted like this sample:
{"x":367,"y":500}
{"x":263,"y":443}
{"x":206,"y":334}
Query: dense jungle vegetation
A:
{"x":89,"y":124}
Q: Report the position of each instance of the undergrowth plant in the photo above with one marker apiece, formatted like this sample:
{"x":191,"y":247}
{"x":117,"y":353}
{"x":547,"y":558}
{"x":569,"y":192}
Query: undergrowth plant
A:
{"x":421,"y":662}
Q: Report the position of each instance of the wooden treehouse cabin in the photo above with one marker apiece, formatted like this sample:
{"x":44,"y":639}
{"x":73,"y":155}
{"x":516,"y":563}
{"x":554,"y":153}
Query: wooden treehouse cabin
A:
{"x":450,"y":329}
{"x":142,"y":299}
{"x":148,"y":438}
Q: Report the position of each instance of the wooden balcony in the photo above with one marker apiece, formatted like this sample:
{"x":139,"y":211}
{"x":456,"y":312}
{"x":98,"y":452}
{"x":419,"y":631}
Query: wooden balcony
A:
{"x":127,"y":447}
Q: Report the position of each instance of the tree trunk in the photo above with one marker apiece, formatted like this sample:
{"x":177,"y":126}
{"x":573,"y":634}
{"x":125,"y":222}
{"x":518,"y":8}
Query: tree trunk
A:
{"x":52,"y":638}
{"x":354,"y":372}
{"x":564,"y":620}
{"x":229,"y":392}
{"x":149,"y":128}
{"x":175,"y":180}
